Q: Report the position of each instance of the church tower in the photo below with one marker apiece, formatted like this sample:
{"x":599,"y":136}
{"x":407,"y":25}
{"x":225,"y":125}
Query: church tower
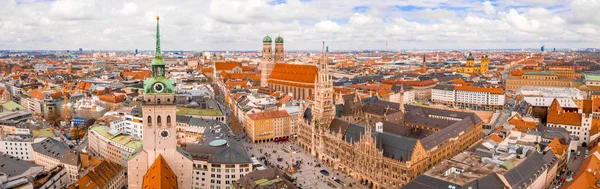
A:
{"x":484,"y":64}
{"x":279,"y":54}
{"x":323,"y":108}
{"x":266,"y":64}
{"x":470,"y":61}
{"x":159,"y":127}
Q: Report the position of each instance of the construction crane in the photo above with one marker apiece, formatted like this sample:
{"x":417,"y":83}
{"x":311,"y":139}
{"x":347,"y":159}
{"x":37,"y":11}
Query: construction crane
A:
{"x":70,"y":67}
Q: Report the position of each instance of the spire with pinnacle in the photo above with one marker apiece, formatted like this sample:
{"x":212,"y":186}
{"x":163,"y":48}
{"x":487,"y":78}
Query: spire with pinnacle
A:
{"x":158,"y":60}
{"x":323,"y":61}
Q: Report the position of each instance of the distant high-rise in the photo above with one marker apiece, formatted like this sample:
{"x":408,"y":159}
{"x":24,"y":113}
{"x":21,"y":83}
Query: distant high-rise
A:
{"x":554,"y":49}
{"x":327,"y":49}
{"x":80,"y":50}
{"x":542,"y":49}
{"x":136,"y":51}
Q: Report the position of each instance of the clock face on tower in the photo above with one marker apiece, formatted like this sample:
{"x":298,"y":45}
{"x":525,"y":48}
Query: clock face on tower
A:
{"x":158,"y":87}
{"x":164,"y":134}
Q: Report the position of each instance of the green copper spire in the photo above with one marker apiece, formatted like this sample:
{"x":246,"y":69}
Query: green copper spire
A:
{"x":158,"y":60}
{"x":159,"y":82}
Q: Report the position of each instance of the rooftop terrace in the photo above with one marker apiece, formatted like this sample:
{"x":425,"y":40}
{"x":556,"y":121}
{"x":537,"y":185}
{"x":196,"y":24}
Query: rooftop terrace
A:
{"x":118,"y":137}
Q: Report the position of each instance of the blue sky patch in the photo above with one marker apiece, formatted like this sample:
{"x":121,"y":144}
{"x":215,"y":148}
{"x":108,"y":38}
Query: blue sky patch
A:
{"x":361,"y":9}
{"x":407,"y":8}
{"x":277,"y":2}
{"x":340,"y":20}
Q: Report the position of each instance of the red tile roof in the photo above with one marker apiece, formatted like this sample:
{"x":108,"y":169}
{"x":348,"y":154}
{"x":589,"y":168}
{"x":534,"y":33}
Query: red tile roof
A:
{"x":100,"y":176}
{"x":521,"y":124}
{"x":83,"y":86}
{"x":556,"y":147}
{"x":285,"y":99}
{"x":112,"y":98}
{"x":557,"y":115}
{"x":160,"y":176}
{"x":226,"y":65}
{"x":294,"y":74}
{"x":136,"y":75}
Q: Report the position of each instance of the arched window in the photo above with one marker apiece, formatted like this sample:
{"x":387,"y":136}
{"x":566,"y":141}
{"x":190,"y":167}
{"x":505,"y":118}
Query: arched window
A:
{"x":169,"y":120}
{"x":149,"y":121}
{"x":158,"y":121}
{"x":158,"y":101}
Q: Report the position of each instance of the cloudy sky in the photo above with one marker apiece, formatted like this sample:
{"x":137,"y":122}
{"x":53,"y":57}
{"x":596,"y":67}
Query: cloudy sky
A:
{"x":343,"y":24}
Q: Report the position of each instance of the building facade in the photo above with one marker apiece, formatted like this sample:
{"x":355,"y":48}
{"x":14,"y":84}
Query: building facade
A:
{"x":468,"y":97}
{"x":540,"y":79}
{"x":215,"y":169}
{"x":268,"y":126}
{"x":51,"y":153}
{"x":112,"y":144}
{"x":578,"y":125}
{"x":392,"y":154}
{"x":18,"y":146}
{"x":129,"y":124}
{"x":444,"y":94}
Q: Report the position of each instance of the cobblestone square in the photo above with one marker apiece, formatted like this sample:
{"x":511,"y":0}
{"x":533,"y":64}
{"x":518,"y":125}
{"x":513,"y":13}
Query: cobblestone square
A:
{"x":308,"y":176}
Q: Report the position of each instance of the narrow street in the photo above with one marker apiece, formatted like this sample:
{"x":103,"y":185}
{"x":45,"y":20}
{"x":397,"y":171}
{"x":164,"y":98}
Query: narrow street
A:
{"x":573,"y":165}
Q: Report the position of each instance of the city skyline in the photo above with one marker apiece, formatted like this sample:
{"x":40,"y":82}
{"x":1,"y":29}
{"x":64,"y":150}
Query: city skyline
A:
{"x":345,"y":25}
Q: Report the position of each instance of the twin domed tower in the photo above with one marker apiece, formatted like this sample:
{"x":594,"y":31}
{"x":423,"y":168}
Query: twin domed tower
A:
{"x":268,"y":60}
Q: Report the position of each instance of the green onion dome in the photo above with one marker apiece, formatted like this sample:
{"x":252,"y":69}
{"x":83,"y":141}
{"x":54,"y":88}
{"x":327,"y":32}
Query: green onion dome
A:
{"x":267,"y":39}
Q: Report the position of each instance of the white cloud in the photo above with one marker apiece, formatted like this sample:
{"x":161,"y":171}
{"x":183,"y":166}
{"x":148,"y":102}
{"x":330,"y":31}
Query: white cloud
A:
{"x":434,"y":14}
{"x":108,"y":30}
{"x":241,"y":24}
{"x":129,"y":9}
{"x":361,"y":19}
{"x":585,"y":11}
{"x":327,"y":26}
{"x":488,"y":8}
{"x":519,"y":21}
{"x":587,"y":30}
{"x":72,"y":9}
